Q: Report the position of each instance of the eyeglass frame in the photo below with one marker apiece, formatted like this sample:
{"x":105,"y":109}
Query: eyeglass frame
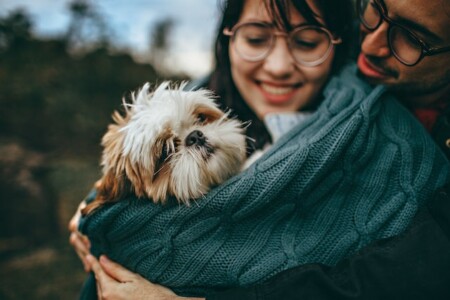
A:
{"x":426,"y":49}
{"x":333,"y":41}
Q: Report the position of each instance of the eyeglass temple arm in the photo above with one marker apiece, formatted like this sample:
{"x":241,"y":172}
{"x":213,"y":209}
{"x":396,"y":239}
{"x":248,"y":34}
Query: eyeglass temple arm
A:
{"x":431,"y":51}
{"x":226,"y":31}
{"x":336,"y":41}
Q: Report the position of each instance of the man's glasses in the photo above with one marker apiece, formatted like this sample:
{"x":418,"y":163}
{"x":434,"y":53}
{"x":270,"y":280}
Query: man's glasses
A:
{"x":406,"y":46}
{"x":309,"y":45}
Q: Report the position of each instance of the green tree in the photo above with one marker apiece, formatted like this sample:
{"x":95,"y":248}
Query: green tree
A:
{"x":14,"y":29}
{"x":87,"y":28}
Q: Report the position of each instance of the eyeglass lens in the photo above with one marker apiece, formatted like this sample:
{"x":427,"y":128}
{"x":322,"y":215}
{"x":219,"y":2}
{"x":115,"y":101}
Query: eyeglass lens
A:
{"x":403,"y":45}
{"x":307,"y":45}
{"x":369,"y":14}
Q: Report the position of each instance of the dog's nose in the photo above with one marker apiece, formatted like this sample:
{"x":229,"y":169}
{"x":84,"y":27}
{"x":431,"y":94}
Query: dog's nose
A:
{"x":196,"y":137}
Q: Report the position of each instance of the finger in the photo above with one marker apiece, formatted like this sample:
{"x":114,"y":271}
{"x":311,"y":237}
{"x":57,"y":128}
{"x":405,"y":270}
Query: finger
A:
{"x":86,"y":264}
{"x":74,"y":221}
{"x":81,"y":249}
{"x":85,"y":240}
{"x":102,"y":278}
{"x":80,"y":244}
{"x":99,"y":289}
{"x":115,"y":270}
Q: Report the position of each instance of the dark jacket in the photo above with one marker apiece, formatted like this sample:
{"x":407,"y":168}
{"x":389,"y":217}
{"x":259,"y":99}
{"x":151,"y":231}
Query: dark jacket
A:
{"x":414,"y":265}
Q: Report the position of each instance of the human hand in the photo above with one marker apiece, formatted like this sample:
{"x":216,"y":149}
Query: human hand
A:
{"x":115,"y":282}
{"x":80,"y":242}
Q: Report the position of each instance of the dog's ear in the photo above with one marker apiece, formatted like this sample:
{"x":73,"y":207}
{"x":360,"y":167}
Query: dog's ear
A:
{"x":111,"y":188}
{"x":114,"y":184}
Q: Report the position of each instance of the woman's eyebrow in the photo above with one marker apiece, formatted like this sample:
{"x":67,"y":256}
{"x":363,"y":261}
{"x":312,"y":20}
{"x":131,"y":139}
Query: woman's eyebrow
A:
{"x":300,"y":25}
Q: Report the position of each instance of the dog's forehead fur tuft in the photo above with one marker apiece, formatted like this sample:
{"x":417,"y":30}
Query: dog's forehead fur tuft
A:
{"x":167,"y":103}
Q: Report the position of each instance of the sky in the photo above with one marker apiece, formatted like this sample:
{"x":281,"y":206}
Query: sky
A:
{"x":131,"y":21}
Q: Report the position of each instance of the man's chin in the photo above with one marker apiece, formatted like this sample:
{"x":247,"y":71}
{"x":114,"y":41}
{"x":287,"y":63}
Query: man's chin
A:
{"x":399,"y":89}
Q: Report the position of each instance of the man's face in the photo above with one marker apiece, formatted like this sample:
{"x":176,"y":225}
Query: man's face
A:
{"x":430,"y":21}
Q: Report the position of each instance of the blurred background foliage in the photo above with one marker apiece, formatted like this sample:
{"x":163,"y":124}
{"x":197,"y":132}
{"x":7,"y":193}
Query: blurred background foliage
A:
{"x":56,"y":99}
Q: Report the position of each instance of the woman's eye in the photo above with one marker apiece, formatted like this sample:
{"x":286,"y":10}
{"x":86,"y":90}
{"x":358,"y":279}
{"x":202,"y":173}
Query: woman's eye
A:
{"x":304,"y":44}
{"x":257,"y":41}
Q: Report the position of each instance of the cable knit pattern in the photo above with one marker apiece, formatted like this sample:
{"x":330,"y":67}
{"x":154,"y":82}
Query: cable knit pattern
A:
{"x":356,"y":170}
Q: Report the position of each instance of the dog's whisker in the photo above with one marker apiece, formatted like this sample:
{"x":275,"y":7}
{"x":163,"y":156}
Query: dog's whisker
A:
{"x":169,"y":157}
{"x":159,"y":170}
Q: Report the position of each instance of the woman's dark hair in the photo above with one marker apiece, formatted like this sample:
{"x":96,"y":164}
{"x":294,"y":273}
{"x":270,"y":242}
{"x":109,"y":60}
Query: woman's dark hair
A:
{"x":338,"y":17}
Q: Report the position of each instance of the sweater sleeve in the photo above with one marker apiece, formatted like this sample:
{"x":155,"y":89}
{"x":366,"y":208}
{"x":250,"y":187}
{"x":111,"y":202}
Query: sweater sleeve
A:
{"x":413,"y":265}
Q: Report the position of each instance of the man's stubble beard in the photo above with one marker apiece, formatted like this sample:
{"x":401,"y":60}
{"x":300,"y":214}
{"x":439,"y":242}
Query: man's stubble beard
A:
{"x":420,"y":87}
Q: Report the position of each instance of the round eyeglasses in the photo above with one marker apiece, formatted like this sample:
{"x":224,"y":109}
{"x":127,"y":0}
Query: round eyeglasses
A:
{"x":405,"y":45}
{"x":309,"y":45}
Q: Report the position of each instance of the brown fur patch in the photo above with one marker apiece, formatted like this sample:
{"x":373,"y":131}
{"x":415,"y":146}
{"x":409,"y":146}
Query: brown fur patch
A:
{"x":208,"y":114}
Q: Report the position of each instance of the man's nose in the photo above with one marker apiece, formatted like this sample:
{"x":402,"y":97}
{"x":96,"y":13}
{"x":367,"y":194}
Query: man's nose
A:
{"x":279,"y":63}
{"x":375,"y":43}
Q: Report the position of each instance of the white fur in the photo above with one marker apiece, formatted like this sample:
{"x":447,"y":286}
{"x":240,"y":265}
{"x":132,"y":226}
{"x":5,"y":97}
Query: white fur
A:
{"x":169,"y":115}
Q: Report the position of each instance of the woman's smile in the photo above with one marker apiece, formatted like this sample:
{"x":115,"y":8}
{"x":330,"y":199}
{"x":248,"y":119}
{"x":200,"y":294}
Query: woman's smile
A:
{"x":278,"y":94}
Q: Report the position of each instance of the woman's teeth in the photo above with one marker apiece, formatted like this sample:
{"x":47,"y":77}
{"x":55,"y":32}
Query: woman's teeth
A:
{"x":276,"y":90}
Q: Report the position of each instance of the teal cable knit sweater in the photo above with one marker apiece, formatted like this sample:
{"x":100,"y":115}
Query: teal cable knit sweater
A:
{"x":355,"y":171}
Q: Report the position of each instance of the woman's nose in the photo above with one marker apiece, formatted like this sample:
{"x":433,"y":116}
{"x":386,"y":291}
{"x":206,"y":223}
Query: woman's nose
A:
{"x":279,"y":63}
{"x":375,"y":43}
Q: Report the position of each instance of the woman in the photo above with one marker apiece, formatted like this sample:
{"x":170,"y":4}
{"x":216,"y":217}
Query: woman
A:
{"x":246,"y":84}
{"x":280,"y":76}
{"x":258,"y":73}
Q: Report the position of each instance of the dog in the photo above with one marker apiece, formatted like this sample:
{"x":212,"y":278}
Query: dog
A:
{"x":171,"y":142}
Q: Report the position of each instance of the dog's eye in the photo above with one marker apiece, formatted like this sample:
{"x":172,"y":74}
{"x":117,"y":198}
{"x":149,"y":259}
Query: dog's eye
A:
{"x":164,"y":153}
{"x":201,"y":118}
{"x":205,"y":115}
{"x":168,"y":148}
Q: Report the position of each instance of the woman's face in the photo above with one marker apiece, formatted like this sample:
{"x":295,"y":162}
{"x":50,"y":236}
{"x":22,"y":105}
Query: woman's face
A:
{"x":277,"y":83}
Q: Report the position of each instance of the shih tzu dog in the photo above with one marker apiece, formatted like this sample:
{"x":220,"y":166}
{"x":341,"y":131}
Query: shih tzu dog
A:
{"x":170,"y":142}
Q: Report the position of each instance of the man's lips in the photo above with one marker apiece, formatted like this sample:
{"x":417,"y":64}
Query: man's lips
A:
{"x":278,"y":93}
{"x":370,"y":70}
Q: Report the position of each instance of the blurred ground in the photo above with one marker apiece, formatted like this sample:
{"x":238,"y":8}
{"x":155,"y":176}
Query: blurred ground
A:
{"x":49,"y":272}
{"x":48,"y":269}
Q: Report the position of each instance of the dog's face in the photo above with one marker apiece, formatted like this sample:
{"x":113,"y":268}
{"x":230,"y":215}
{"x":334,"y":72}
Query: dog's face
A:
{"x":170,"y":143}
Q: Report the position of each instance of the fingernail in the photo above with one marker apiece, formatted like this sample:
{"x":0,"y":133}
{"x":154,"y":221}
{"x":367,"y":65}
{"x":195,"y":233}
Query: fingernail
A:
{"x":104,"y":259}
{"x":89,"y":257}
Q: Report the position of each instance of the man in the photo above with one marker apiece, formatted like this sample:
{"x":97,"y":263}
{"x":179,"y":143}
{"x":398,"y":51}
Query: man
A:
{"x":405,"y":44}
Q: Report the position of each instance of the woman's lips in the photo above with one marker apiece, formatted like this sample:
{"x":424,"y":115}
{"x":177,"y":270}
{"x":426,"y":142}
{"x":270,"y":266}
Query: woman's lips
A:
{"x":278,"y":94}
{"x":369,"y":69}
